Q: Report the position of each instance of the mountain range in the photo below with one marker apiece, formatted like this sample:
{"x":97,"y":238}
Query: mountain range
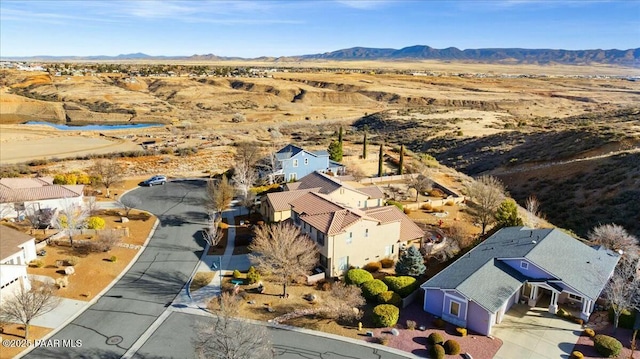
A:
{"x":630,"y":57}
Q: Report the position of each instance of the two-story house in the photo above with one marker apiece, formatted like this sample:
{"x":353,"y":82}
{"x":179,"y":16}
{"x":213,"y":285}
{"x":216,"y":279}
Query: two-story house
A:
{"x":352,"y":237}
{"x":293,"y":162}
{"x":275,"y":206}
{"x":16,"y":251}
{"x":518,"y":264}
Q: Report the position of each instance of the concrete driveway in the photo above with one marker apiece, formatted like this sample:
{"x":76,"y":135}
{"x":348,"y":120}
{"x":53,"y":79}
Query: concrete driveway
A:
{"x":534,"y":333}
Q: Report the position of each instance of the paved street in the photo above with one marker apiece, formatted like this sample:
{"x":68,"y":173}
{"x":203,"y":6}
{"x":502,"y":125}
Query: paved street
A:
{"x":139,"y":304}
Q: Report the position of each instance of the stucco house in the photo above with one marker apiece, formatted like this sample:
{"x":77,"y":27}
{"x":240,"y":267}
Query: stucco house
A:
{"x":518,"y":264}
{"x":293,"y":162}
{"x":352,"y":237}
{"x":275,"y":206}
{"x":20,"y":194}
{"x":16,"y":251}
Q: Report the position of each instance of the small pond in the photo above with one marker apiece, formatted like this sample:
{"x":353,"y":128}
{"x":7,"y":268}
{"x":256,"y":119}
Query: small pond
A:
{"x":95,"y":127}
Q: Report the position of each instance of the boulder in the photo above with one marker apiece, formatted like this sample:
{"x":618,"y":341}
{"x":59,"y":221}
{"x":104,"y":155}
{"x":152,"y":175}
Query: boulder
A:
{"x":395,"y":332}
{"x":124,"y":220}
{"x":69,"y":270}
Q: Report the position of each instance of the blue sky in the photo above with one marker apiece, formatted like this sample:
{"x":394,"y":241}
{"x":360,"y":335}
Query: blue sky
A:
{"x":282,"y":28}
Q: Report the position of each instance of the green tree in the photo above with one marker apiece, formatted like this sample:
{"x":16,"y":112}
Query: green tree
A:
{"x":335,"y":151}
{"x":380,"y":160}
{"x":401,"y":161}
{"x":507,"y":214}
{"x":364,"y":146}
{"x":410,"y":263}
{"x":340,"y":137}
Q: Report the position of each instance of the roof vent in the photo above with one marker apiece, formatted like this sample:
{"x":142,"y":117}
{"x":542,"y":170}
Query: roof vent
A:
{"x":534,"y":242}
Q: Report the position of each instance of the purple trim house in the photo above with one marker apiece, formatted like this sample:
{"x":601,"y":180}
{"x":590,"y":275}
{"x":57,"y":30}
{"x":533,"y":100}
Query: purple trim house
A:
{"x":518,"y":264}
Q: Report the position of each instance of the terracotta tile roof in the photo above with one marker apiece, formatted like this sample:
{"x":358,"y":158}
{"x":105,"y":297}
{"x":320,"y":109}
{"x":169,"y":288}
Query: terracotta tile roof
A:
{"x":387,"y":214}
{"x":321,"y":212}
{"x":279,"y":201}
{"x":10,"y":239}
{"x":36,"y":189}
{"x":314,"y":203}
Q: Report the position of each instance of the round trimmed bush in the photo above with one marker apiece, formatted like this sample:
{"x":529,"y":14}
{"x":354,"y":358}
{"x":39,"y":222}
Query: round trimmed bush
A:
{"x":606,"y":345}
{"x":372,"y":288}
{"x":253,"y":276}
{"x":385,"y":315}
{"x":437,"y":352}
{"x":95,"y":223}
{"x":403,"y":285}
{"x":387,"y":263}
{"x":357,"y":276}
{"x":461,"y":331}
{"x":71,"y":261}
{"x":372,"y":267}
{"x":452,"y":347}
{"x":435,"y":338}
{"x":589,"y":332}
{"x":576,"y":355}
{"x":389,"y":297}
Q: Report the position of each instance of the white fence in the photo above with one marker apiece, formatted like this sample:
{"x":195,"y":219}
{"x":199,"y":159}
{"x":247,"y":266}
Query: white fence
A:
{"x":388,"y":178}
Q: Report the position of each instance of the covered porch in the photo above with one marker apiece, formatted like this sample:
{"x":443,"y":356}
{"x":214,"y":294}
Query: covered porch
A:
{"x":552,"y":297}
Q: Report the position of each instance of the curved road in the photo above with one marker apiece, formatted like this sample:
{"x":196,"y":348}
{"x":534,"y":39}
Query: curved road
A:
{"x":118,"y":319}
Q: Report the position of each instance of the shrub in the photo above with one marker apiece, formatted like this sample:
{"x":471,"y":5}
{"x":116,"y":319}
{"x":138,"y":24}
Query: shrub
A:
{"x":435,"y":338}
{"x":237,"y":274}
{"x":449,"y":203}
{"x":436,"y":193}
{"x":62,"y":282}
{"x":384,"y":340}
{"x":253,"y":276}
{"x":562,"y":313}
{"x":427,"y":207}
{"x":357,"y":276}
{"x":389,"y":297}
{"x":627,"y":318}
{"x":113,"y":259}
{"x":407,"y":210}
{"x":387,"y":262}
{"x":395,"y":203}
{"x":372,"y":267}
{"x":71,"y":261}
{"x":385,"y":315}
{"x":606,"y":345}
{"x":372,"y":288}
{"x":576,"y":355}
{"x":95,"y":223}
{"x":411,"y":324}
{"x":437,"y":352}
{"x":222,"y":225}
{"x":439,"y":323}
{"x":403,"y":285}
{"x":38,"y":263}
{"x":461,"y":331}
{"x":452,"y":347}
{"x":589,"y":333}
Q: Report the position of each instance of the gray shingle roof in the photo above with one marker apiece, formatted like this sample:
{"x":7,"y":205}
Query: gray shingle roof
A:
{"x":482,"y":277}
{"x":287,"y":152}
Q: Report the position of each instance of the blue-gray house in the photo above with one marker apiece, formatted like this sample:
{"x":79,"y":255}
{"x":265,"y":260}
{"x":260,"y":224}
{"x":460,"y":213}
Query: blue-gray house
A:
{"x":293,"y":162}
{"x":518,"y":264}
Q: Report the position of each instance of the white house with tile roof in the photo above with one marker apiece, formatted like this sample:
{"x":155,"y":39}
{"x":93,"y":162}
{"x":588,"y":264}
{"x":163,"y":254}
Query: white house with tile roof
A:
{"x":16,"y":251}
{"x":19,"y":194}
{"x":348,"y":236}
{"x":518,"y":263}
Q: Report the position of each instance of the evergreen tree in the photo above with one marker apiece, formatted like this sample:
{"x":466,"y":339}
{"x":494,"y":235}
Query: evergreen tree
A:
{"x":340,"y":137}
{"x":335,"y":151}
{"x":410,"y":263}
{"x":401,"y":162}
{"x":380,"y":159}
{"x":507,"y":214}
{"x":364,"y":146}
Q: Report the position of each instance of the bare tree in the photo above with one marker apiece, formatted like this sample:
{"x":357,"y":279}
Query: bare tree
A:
{"x":616,"y":238}
{"x":128,"y":203}
{"x":249,"y":201}
{"x":218,"y":195}
{"x":27,"y":305}
{"x":71,"y":218}
{"x":534,"y":216}
{"x":244,"y":176}
{"x":248,"y":153}
{"x":343,"y":302}
{"x":623,"y":289}
{"x":458,"y":233}
{"x":486,"y":193}
{"x":6,"y":205}
{"x":107,"y":173}
{"x":355,"y":171}
{"x":212,"y":234}
{"x":33,"y":215}
{"x":225,"y":337}
{"x":92,"y":205}
{"x":107,"y":239}
{"x":282,"y":251}
{"x":270,"y":163}
{"x":421,"y":184}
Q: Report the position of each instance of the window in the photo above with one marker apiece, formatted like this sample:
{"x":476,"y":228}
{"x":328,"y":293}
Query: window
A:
{"x":306,"y":161}
{"x":323,"y":261}
{"x":296,"y":218}
{"x":454,"y":308}
{"x":343,"y":263}
{"x":292,"y":177}
{"x":388,"y":250}
{"x":524,"y":265}
{"x":577,"y":298}
{"x":350,"y":238}
{"x":295,"y":163}
{"x":366,"y":232}
{"x":320,"y":238}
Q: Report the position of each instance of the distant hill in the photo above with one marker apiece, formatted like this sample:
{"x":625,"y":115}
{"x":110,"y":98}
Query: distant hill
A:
{"x":630,"y":57}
